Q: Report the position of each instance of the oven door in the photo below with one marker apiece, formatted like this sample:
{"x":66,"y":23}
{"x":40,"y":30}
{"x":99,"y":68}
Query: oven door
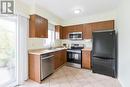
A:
{"x":74,"y":56}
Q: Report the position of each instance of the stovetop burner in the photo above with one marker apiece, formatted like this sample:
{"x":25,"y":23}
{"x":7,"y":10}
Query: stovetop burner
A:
{"x":76,"y":46}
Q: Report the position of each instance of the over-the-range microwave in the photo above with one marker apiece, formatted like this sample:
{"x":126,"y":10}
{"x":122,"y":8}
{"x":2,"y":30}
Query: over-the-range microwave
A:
{"x":75,"y":36}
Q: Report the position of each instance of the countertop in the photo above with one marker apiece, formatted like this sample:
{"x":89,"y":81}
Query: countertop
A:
{"x":44,"y":51}
{"x":85,"y":49}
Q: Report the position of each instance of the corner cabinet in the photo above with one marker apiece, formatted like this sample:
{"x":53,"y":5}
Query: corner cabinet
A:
{"x":59,"y":58}
{"x":58,"y":30}
{"x":38,"y":27}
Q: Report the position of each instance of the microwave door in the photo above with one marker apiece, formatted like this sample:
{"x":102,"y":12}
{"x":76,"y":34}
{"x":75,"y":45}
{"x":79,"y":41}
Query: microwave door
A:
{"x":75,"y":36}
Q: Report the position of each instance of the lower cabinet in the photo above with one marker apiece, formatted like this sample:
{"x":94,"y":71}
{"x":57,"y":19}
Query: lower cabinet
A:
{"x":86,"y":59}
{"x":35,"y":64}
{"x":34,"y":67}
{"x":59,"y":58}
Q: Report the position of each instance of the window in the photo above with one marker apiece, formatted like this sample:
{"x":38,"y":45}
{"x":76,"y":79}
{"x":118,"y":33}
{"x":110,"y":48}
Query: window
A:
{"x":51,"y":36}
{"x":57,"y":35}
{"x":8,"y":56}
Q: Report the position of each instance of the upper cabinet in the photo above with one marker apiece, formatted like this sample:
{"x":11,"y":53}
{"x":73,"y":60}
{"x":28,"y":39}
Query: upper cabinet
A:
{"x":87,"y":31}
{"x":96,"y":26}
{"x":38,"y":27}
{"x":103,"y":25}
{"x":58,"y":30}
{"x":70,"y":29}
{"x":87,"y":28}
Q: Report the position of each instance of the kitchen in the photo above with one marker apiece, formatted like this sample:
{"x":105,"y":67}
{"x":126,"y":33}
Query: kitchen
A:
{"x":75,"y":49}
{"x":65,"y":44}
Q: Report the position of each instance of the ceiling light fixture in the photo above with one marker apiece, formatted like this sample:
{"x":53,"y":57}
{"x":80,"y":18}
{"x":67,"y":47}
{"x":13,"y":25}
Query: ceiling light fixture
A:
{"x":77,"y":11}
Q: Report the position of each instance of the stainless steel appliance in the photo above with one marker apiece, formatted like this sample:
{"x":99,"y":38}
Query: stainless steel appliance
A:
{"x":74,"y":57}
{"x":47,"y":66}
{"x":75,"y":36}
{"x":104,"y":54}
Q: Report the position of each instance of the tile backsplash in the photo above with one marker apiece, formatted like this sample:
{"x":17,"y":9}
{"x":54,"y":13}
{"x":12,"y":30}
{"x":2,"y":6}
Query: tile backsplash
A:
{"x":87,"y":42}
{"x":36,"y":43}
{"x":39,"y":43}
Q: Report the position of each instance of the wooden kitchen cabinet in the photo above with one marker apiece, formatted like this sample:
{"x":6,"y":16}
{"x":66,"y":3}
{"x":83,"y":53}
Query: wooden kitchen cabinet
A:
{"x":63,"y":56}
{"x":35,"y":64}
{"x":70,"y":29}
{"x":59,"y":58}
{"x":34,"y":67}
{"x":87,"y":31}
{"x":66,"y":31}
{"x":97,"y":26}
{"x":56,"y":59}
{"x":87,"y":28}
{"x":86,"y":58}
{"x":103,"y":25}
{"x":58,"y":30}
{"x":38,"y":27}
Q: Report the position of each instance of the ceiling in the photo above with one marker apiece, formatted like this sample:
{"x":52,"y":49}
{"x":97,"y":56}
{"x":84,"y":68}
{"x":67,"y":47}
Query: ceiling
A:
{"x":64,"y":8}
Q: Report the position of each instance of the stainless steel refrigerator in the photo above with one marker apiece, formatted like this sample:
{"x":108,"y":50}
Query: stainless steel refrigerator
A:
{"x":104,"y":53}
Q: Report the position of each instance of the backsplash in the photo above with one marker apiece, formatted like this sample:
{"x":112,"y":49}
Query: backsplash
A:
{"x":39,"y":43}
{"x":36,"y":43}
{"x":87,"y":42}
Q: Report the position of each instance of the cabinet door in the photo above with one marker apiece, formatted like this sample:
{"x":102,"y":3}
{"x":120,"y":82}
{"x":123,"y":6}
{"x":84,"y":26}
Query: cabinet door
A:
{"x":55,"y":60}
{"x":65,"y":32}
{"x":78,"y":28}
{"x":104,"y":25}
{"x":58,"y":30}
{"x":87,"y":31}
{"x":63,"y":56}
{"x":32,"y":25}
{"x":59,"y":58}
{"x":38,"y":27}
{"x":44,"y":29}
{"x":86,"y":59}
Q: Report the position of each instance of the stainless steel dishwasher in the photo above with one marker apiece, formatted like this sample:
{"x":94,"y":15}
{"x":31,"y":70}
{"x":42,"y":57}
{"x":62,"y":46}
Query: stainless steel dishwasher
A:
{"x":47,"y":66}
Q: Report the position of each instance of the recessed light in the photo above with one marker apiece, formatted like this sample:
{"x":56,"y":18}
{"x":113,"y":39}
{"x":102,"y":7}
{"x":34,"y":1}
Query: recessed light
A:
{"x":77,"y":11}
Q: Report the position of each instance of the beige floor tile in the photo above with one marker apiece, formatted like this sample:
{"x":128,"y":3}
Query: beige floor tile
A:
{"x":73,"y":77}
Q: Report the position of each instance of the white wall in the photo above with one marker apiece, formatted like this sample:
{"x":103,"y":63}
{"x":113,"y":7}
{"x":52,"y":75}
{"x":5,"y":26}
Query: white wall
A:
{"x":123,"y":25}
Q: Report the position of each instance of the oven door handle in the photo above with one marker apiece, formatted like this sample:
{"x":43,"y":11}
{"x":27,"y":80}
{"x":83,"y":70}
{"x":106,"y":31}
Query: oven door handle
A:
{"x":73,"y":51}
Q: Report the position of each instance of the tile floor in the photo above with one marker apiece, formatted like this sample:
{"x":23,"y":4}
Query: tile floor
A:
{"x":73,"y":77}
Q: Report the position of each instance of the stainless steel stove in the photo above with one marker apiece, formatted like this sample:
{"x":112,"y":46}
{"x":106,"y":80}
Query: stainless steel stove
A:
{"x":74,"y":57}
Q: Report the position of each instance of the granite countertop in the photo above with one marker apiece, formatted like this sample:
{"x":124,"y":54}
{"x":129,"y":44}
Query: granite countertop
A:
{"x":44,"y":51}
